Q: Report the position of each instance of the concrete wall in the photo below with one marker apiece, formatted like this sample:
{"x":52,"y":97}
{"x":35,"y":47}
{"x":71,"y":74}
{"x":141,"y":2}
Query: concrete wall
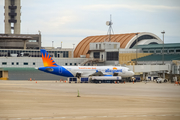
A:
{"x":27,"y":73}
{"x":5,"y":74}
{"x":7,"y":27}
{"x":16,"y":41}
{"x":125,"y":58}
{"x":104,"y":45}
{"x":70,"y":54}
{"x":38,"y":61}
{"x":17,"y":24}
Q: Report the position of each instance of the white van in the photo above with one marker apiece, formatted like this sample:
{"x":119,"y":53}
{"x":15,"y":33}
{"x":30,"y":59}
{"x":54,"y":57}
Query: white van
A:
{"x":161,"y":80}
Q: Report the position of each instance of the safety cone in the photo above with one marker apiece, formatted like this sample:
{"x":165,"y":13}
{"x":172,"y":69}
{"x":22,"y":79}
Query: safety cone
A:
{"x":36,"y":81}
{"x":124,"y":82}
{"x":133,"y":82}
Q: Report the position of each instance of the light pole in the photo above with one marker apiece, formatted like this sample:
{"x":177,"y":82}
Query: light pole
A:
{"x":136,"y":47}
{"x":163,"y":32}
{"x":73,"y":51}
{"x":52,"y":44}
{"x":73,"y":46}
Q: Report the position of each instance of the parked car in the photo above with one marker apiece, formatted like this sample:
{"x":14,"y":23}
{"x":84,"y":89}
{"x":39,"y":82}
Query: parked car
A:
{"x":161,"y":80}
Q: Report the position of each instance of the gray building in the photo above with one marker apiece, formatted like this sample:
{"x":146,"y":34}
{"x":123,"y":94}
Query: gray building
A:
{"x":104,"y":53}
{"x":20,"y":41}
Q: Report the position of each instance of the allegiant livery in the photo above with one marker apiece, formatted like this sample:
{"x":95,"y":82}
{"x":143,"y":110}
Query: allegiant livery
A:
{"x":81,"y":71}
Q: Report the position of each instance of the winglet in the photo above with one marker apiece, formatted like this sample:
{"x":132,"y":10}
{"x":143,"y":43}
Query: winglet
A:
{"x":47,"y":60}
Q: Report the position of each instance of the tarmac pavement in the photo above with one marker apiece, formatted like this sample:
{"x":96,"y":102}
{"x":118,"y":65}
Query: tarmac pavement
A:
{"x":54,"y":100}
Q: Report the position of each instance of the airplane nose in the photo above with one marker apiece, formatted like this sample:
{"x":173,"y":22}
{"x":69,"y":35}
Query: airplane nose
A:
{"x":132,"y":73}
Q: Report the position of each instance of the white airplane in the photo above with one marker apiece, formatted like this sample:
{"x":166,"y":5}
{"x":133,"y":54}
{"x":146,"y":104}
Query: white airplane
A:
{"x":82,"y":71}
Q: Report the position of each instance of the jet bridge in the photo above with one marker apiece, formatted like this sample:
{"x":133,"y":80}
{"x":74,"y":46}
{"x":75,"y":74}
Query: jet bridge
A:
{"x":146,"y":69}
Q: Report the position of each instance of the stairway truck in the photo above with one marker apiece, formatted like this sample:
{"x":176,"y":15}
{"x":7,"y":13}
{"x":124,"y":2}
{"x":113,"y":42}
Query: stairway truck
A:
{"x":106,"y":79}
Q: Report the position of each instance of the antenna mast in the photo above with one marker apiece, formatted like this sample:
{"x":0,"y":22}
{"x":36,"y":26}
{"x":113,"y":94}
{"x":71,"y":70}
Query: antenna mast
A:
{"x":109,"y":23}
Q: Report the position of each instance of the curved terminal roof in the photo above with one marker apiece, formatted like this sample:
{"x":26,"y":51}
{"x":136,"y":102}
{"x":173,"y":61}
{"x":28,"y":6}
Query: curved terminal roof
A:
{"x":126,"y":41}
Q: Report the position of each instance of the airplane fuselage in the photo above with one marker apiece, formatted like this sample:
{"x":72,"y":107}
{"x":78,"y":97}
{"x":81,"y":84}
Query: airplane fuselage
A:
{"x":81,"y":71}
{"x":86,"y":71}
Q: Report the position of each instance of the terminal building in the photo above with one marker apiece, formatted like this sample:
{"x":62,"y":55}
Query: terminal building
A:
{"x":127,"y":41}
{"x":94,"y":50}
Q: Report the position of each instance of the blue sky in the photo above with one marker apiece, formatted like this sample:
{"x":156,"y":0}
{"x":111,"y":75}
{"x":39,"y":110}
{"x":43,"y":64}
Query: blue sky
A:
{"x":70,"y":21}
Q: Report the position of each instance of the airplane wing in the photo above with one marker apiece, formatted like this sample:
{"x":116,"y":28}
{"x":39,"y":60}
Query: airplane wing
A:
{"x":99,"y":73}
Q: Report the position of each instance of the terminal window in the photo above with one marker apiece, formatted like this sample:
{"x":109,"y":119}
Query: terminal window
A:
{"x":111,"y":56}
{"x":178,"y":50}
{"x":12,"y":63}
{"x":158,"y":51}
{"x":145,"y":51}
{"x":25,"y":63}
{"x":17,"y":63}
{"x":34,"y":63}
{"x":66,"y":64}
{"x":70,"y":63}
{"x":171,"y":51}
{"x":74,"y":63}
{"x":4,"y":63}
{"x":96,"y":54}
{"x":165,"y":51}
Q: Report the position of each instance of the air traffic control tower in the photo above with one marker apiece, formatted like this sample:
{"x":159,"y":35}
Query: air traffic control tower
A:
{"x":12,"y":16}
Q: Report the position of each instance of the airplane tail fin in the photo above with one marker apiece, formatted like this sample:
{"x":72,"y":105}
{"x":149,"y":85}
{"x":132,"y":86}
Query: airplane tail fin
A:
{"x":47,"y":60}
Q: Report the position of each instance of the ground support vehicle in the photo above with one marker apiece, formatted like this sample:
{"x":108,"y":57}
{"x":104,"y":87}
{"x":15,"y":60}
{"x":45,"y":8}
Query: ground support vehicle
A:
{"x":106,"y":79}
{"x":161,"y":80}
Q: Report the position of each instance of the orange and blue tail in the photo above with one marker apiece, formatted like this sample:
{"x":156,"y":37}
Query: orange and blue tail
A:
{"x":47,"y":60}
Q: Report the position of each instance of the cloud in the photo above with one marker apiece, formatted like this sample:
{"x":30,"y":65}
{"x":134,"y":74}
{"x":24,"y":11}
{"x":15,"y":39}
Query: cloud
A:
{"x":149,"y":8}
{"x":2,"y":3}
{"x":71,"y":21}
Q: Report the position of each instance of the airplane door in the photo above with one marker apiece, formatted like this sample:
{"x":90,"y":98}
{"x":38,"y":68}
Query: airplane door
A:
{"x":123,"y":71}
{"x":60,"y":69}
